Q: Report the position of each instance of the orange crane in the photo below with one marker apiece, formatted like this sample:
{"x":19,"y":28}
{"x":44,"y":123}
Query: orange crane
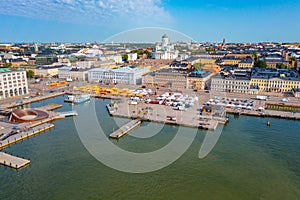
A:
{"x":100,"y":48}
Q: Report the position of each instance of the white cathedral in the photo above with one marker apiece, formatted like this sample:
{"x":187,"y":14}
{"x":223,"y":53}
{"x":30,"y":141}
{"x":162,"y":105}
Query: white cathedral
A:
{"x":165,"y":50}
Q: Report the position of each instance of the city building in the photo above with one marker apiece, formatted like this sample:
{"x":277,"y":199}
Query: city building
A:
{"x":296,"y":92}
{"x":47,"y":71}
{"x":46,"y":59}
{"x":73,"y":73}
{"x":5,"y":47}
{"x":275,"y":80}
{"x":170,"y":78}
{"x":12,"y":83}
{"x":198,"y":80}
{"x":132,"y":56}
{"x":230,"y":60}
{"x":238,"y":82}
{"x":165,"y":50}
{"x":240,"y":55}
{"x":126,"y":75}
{"x":246,"y":63}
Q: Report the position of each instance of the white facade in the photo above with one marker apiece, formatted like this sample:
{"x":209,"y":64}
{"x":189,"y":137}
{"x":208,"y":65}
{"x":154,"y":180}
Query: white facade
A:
{"x":125,"y":75}
{"x":132,"y":56}
{"x":73,"y":73}
{"x":64,"y":72}
{"x":165,"y":50}
{"x":116,"y":57}
{"x":221,"y":84}
{"x":85,"y":64}
{"x":13,"y":83}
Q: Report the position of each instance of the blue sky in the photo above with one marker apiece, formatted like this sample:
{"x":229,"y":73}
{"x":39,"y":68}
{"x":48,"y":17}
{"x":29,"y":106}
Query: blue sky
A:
{"x":209,"y":20}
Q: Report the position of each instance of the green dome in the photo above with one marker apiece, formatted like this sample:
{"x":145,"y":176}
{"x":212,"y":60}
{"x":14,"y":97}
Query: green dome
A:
{"x":165,"y":36}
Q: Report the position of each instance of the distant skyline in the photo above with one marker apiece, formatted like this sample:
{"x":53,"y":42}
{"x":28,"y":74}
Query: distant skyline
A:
{"x":88,"y":20}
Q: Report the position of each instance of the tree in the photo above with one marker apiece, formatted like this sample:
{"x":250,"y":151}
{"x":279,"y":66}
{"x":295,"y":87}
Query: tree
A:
{"x":30,"y":74}
{"x":142,"y":52}
{"x":125,"y":57}
{"x":7,"y":65}
{"x":148,"y":53}
{"x":198,"y":66}
{"x":255,"y":57}
{"x":260,"y":64}
{"x":281,"y":66}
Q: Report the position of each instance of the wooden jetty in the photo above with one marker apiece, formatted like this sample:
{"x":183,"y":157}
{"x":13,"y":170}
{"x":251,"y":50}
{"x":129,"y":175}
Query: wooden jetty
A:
{"x":123,"y":130}
{"x":50,"y":107}
{"x":13,"y":161}
{"x":25,"y":134}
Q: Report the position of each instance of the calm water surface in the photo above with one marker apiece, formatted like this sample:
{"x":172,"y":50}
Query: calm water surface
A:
{"x":250,"y":161}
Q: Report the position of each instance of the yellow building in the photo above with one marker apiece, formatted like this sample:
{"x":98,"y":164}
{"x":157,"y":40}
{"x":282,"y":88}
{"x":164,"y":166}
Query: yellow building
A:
{"x":5,"y":46}
{"x":246,"y":63}
{"x":239,"y":55}
{"x":231,"y":61}
{"x":273,"y":80}
{"x":197,"y":80}
{"x":47,"y":71}
{"x":275,"y":84}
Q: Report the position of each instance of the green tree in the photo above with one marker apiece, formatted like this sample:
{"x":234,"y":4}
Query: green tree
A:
{"x":148,"y":53}
{"x":142,"y":52}
{"x":281,"y":66}
{"x":7,"y":65}
{"x":125,"y":57}
{"x":30,"y":74}
{"x":260,"y":64}
{"x":255,"y":57}
{"x":198,"y":66}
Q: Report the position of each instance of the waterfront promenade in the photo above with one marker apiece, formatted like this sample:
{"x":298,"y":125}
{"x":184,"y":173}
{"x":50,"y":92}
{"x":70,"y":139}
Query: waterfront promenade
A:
{"x":11,"y":103}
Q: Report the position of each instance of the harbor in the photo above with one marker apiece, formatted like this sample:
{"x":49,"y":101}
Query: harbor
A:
{"x":22,"y":124}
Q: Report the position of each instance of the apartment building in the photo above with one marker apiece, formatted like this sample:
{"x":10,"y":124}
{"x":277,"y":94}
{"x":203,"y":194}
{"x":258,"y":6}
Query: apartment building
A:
{"x":12,"y":83}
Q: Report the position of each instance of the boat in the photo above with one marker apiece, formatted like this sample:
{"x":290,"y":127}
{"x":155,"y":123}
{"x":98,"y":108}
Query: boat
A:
{"x":69,"y":99}
{"x":82,"y":98}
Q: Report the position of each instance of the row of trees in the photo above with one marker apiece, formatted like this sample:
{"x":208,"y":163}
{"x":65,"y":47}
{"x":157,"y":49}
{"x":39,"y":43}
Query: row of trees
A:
{"x":263,"y":64}
{"x":139,"y":54}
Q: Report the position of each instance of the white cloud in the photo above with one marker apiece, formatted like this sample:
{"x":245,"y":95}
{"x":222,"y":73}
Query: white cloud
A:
{"x":88,"y":11}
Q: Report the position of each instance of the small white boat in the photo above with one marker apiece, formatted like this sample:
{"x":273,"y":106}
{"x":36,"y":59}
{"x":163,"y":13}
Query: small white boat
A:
{"x":82,"y":98}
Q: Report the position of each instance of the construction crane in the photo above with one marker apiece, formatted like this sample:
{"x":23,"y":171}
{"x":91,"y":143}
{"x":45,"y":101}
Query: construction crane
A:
{"x":102,"y":50}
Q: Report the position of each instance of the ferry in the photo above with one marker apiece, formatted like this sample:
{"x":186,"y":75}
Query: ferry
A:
{"x":77,"y":99}
{"x":82,"y":98}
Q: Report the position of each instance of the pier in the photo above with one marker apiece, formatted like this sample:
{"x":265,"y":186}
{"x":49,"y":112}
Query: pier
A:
{"x":50,"y":107}
{"x":34,"y":99}
{"x":25,"y":134}
{"x":123,"y":130}
{"x":158,"y":115}
{"x":266,"y":113}
{"x":12,"y":161}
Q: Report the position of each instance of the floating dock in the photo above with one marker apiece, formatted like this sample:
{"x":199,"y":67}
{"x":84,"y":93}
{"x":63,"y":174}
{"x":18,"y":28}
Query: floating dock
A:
{"x":123,"y":130}
{"x":13,"y":161}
